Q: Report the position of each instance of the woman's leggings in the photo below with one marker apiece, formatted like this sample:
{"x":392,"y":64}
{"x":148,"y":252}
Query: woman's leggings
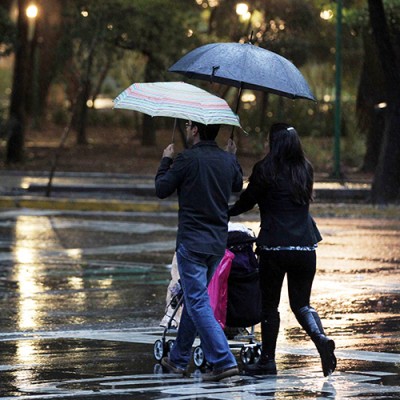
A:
{"x":300,"y":267}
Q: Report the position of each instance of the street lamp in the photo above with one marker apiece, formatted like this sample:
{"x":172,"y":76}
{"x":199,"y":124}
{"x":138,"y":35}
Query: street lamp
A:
{"x":338,"y":85}
{"x":242,"y":9}
{"x":32,"y":12}
{"x":327,"y":15}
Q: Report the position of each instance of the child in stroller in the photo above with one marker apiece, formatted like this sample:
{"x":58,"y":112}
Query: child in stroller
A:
{"x":234,"y":284}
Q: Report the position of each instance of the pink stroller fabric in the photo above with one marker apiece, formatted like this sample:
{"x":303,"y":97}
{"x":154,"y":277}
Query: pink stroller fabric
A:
{"x":218,"y":288}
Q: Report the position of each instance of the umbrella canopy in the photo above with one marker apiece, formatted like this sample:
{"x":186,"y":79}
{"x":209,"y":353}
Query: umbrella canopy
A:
{"x":244,"y":66}
{"x":177,"y":100}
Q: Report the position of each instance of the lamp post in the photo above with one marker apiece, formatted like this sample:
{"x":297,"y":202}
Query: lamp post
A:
{"x":32,"y":12}
{"x":242,"y":10}
{"x":338,"y":91}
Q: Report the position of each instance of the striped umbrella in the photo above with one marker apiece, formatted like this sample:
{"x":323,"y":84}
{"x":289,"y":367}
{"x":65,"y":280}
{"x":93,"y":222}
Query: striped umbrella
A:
{"x":177,"y":100}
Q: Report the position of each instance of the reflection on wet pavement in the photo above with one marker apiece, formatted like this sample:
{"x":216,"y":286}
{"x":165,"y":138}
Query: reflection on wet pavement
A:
{"x":82,"y":294}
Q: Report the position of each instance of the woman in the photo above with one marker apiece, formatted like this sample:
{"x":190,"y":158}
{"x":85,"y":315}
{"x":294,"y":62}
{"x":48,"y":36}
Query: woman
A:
{"x":282,"y":184}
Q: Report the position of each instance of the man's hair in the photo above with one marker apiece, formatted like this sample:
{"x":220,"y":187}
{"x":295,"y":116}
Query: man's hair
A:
{"x":207,"y":132}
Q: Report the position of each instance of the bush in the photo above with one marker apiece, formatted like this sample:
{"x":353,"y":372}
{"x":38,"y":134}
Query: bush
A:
{"x":315,"y":124}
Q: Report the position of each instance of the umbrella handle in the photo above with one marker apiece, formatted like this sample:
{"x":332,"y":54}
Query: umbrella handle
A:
{"x":233,"y":129}
{"x":237,"y":107}
{"x":173,"y":132}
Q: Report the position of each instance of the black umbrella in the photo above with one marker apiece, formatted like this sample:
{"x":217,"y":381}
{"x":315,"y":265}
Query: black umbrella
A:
{"x":244,"y":66}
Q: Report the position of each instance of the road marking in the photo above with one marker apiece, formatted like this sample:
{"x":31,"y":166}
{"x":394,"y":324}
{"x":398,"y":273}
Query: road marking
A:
{"x":293,"y":382}
{"x":148,"y":335}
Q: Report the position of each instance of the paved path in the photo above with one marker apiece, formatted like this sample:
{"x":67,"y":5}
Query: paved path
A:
{"x":128,"y":186}
{"x":125,"y":355}
{"x":82,"y":293}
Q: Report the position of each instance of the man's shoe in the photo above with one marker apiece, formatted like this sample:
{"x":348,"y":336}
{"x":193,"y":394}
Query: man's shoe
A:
{"x":218,"y":374}
{"x":261,"y":367}
{"x":171,"y":368}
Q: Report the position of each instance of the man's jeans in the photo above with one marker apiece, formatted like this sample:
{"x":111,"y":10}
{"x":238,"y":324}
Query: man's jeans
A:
{"x":196,"y":270}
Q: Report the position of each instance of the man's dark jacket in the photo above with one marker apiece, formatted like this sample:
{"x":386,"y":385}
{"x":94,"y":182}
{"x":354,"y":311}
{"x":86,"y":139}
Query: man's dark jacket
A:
{"x":204,"y":177}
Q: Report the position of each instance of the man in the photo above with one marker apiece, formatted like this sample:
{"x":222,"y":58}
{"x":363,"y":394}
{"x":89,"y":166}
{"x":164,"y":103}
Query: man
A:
{"x":204,"y":177}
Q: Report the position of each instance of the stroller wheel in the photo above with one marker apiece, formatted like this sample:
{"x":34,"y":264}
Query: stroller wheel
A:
{"x":158,"y":350}
{"x":247,"y":355}
{"x":257,"y":352}
{"x":170,"y":345}
{"x":198,"y":357}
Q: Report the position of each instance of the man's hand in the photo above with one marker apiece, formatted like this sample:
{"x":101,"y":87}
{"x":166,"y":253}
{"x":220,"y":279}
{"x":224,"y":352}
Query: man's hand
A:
{"x":231,"y":147}
{"x":169,"y":151}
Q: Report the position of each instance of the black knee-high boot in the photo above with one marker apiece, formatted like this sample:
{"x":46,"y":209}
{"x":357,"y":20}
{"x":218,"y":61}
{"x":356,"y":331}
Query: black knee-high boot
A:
{"x":269,"y":333}
{"x":311,"y":323}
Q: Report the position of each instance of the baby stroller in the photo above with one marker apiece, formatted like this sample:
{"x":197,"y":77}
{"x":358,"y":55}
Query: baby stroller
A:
{"x":234,"y":295}
{"x":244,"y":295}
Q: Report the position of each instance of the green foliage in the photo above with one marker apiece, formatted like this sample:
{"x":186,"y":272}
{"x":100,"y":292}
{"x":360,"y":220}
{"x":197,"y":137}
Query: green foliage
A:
{"x":89,"y":36}
{"x":161,"y":37}
{"x":2,"y":122}
{"x":110,"y":118}
{"x":123,"y":41}
{"x":125,"y":37}
{"x":7,"y":33}
{"x":59,"y":116}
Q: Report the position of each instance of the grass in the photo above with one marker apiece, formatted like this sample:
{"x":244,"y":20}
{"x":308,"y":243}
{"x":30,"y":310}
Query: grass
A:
{"x":346,"y":210}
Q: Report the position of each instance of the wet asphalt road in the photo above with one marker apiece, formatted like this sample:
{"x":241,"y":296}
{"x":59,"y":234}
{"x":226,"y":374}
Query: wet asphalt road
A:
{"x":82,"y":295}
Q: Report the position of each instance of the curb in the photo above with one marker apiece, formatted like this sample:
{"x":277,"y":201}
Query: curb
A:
{"x":318,"y":210}
{"x":85,"y":204}
{"x":361,"y":195}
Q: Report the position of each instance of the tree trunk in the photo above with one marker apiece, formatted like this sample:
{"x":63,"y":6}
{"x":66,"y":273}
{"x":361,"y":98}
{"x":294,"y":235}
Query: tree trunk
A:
{"x":81,"y":114}
{"x":15,"y":143}
{"x":149,"y":129}
{"x":83,"y":96}
{"x":149,"y":132}
{"x":374,"y":140}
{"x":386,"y":183}
{"x":371,"y":92}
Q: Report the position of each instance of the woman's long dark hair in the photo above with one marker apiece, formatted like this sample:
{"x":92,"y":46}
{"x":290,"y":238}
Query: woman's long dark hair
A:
{"x":286,"y":157}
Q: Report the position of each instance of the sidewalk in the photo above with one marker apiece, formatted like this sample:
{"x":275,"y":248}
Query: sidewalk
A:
{"x":128,"y":192}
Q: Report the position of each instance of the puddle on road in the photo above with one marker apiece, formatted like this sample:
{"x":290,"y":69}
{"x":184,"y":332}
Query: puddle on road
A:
{"x":50,"y":296}
{"x":56,"y":276}
{"x":59,"y":265}
{"x":78,"y":367}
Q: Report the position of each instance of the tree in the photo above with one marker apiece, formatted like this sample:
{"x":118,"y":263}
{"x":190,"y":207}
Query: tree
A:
{"x":162,"y":37}
{"x":28,"y":82}
{"x":88,"y":50}
{"x":291,"y":28}
{"x":16,"y":124}
{"x":369,"y":96}
{"x":97,"y":33}
{"x":7,"y":42}
{"x":386,"y":183}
